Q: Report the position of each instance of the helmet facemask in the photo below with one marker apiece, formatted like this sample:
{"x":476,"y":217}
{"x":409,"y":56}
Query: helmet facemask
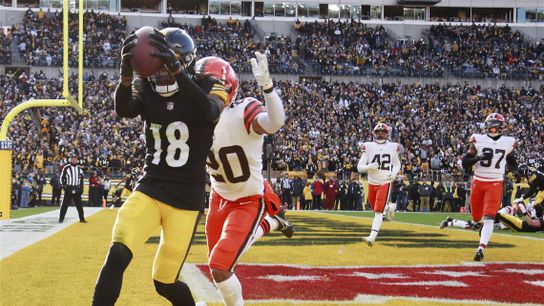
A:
{"x":493,"y":127}
{"x":380,"y":136}
{"x":164,"y":83}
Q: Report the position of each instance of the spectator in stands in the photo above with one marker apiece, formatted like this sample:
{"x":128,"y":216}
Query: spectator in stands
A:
{"x":330,"y":189}
{"x":297,"y":198}
{"x":317,"y":192}
{"x":308,"y":196}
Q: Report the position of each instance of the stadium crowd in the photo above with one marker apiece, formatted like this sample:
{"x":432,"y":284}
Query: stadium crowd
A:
{"x":354,"y":48}
{"x":327,"y":121}
{"x":236,"y":42}
{"x":330,"y":47}
{"x":5,"y":47}
{"x":39,"y":38}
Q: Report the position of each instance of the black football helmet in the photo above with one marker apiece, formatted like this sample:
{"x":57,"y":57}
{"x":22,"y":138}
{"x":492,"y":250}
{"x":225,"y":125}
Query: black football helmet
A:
{"x":163,"y":82}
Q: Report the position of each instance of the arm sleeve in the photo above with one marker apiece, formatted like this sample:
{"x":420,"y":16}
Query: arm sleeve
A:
{"x":128,"y":102}
{"x":273,"y":119}
{"x":469,"y":160}
{"x":362,"y":166}
{"x":208,"y":109}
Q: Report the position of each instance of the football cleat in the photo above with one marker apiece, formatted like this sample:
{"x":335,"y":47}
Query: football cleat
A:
{"x":479,"y":255}
{"x":284,"y":225}
{"x":445,"y":222}
{"x":369,"y":241}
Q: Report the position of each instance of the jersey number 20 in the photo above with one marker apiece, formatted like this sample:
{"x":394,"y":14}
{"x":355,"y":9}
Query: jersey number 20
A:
{"x":223,"y":154}
{"x":177,"y":134}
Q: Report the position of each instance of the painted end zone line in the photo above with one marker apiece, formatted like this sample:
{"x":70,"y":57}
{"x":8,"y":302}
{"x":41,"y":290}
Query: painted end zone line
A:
{"x":201,"y":287}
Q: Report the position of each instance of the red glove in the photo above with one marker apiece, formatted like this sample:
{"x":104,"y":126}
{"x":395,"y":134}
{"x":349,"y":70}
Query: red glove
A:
{"x":271,"y":199}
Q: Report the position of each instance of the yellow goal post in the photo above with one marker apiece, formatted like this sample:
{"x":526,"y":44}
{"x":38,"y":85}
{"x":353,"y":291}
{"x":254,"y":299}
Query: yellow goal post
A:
{"x":6,"y":145}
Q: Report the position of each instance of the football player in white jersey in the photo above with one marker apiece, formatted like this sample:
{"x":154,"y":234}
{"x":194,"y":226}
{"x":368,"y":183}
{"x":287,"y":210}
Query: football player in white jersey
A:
{"x":240,"y":196}
{"x":380,"y":159}
{"x":488,"y":155}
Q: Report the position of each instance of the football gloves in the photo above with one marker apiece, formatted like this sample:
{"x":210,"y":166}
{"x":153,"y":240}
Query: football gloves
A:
{"x":128,"y":44}
{"x":259,"y":66}
{"x":164,"y":52}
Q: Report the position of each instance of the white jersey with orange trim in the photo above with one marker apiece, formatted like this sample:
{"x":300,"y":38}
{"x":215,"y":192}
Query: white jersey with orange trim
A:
{"x":235,"y":158}
{"x":492,"y":170}
{"x":386,"y":155}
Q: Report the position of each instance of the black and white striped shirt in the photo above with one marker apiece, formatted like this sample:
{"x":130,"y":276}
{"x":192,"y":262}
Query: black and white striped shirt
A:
{"x":71,"y":176}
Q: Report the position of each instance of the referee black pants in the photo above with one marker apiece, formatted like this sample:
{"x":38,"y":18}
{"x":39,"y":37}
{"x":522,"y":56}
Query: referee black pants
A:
{"x":69,"y":197}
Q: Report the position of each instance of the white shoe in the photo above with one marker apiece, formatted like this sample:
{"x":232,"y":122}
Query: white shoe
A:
{"x":369,"y":242}
{"x":201,"y":303}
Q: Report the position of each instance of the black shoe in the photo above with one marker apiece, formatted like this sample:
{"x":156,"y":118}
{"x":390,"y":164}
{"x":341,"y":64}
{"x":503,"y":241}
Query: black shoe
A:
{"x":479,"y":255}
{"x":283,"y":224}
{"x":82,"y":221}
{"x":60,"y":221}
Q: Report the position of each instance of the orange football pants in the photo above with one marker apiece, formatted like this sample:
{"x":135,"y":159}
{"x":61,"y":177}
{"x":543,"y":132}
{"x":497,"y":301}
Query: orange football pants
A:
{"x":378,"y":196}
{"x":230,"y":228}
{"x":485,"y":198}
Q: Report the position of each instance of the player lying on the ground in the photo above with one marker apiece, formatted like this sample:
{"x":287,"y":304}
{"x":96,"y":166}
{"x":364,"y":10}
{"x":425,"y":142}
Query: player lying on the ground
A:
{"x":507,"y":217}
{"x":531,"y":219}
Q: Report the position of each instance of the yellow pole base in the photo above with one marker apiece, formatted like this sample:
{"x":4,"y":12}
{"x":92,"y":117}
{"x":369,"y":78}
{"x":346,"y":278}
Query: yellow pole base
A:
{"x":5,"y":179}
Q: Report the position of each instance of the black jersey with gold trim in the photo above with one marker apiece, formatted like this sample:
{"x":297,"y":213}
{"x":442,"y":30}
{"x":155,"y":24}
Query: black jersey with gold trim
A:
{"x":177,"y":144}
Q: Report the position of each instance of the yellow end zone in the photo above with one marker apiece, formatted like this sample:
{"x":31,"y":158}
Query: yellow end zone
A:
{"x":62,"y":269}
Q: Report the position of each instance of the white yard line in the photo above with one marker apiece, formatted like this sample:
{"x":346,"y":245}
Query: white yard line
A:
{"x":16,"y":234}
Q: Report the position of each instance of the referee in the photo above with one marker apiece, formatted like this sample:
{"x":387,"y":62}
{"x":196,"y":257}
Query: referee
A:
{"x":71,"y":180}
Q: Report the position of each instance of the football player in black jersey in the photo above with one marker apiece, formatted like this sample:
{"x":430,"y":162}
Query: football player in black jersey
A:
{"x":179,"y":115}
{"x":531,"y":222}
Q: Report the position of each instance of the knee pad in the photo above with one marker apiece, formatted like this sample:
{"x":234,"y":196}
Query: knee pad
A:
{"x":119,"y":255}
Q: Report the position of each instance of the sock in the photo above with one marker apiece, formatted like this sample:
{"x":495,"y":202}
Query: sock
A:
{"x":487,"y":230}
{"x":110,"y":279}
{"x":177,"y":293}
{"x":376,"y":224}
{"x":459,"y":224}
{"x":267,"y":225}
{"x":231,"y":291}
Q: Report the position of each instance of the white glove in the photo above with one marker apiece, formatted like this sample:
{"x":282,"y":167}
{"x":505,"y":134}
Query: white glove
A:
{"x":518,"y":200}
{"x":259,"y":66}
{"x":373,"y":166}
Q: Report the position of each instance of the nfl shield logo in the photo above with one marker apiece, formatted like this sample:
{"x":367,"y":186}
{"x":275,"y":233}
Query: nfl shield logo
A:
{"x":169,"y":106}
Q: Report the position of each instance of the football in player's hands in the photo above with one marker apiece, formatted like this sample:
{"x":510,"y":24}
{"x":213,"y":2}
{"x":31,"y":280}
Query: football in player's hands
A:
{"x":141,"y":60}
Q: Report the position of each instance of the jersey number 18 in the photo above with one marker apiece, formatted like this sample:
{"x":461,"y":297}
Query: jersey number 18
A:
{"x":177,"y":152}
